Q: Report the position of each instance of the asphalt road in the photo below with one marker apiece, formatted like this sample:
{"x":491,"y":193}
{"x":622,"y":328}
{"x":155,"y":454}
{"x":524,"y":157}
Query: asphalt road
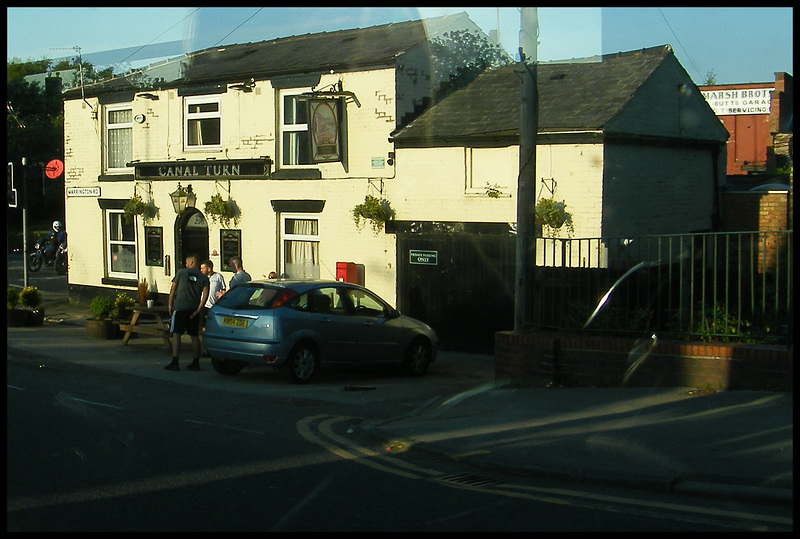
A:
{"x":96,"y":450}
{"x":46,"y":279}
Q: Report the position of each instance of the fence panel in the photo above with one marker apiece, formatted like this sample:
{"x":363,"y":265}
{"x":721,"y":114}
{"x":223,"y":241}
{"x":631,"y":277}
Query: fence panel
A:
{"x":727,"y":286}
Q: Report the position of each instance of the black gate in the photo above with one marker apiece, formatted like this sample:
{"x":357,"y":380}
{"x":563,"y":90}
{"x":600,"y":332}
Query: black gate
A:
{"x":462,"y":285}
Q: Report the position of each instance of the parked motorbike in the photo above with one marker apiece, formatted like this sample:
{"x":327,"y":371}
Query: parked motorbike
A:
{"x":39,"y":257}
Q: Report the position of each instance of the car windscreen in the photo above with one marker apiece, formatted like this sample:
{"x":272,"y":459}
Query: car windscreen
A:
{"x":248,"y":297}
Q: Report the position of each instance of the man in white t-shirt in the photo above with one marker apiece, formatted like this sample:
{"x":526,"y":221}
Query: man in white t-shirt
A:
{"x":216,"y":283}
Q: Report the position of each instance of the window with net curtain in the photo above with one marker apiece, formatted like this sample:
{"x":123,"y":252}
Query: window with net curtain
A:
{"x":120,"y":245}
{"x":119,"y":138}
{"x":301,"y":246}
{"x":203,"y":115}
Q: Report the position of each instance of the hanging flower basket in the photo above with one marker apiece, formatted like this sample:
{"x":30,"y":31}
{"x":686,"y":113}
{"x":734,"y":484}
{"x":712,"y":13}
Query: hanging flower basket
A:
{"x":137,"y":206}
{"x":221,"y":210}
{"x":377,"y":212}
{"x":553,"y":214}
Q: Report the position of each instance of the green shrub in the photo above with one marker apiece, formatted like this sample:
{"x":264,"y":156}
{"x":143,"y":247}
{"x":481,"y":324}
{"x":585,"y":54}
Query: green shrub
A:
{"x":101,"y":308}
{"x":30,"y":297}
{"x":12,"y":297}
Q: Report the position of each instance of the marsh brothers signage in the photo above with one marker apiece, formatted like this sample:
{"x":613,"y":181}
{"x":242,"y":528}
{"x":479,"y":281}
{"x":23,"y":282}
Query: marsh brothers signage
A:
{"x":233,"y":169}
{"x":739,"y":101}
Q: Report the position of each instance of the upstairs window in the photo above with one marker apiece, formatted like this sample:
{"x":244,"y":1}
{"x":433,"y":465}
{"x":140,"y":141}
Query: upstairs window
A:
{"x":119,"y":138}
{"x":203,"y":122}
{"x":295,"y":141}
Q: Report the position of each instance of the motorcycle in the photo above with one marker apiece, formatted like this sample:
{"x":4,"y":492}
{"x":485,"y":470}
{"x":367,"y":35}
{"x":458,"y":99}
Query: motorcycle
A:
{"x":39,"y":257}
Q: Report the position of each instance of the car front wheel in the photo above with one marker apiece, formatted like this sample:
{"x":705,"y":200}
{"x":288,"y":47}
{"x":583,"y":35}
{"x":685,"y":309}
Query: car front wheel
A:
{"x":418,"y":357}
{"x":302,"y":364}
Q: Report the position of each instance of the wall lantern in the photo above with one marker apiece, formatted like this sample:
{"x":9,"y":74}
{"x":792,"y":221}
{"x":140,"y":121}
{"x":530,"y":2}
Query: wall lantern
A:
{"x":183,"y":198}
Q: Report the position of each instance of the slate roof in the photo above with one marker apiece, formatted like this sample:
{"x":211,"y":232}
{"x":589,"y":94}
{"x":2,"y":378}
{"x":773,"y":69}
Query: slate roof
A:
{"x":573,"y":96}
{"x":376,"y":46}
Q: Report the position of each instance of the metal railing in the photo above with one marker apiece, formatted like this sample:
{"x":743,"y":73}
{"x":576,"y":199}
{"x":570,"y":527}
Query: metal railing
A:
{"x":725,"y":286}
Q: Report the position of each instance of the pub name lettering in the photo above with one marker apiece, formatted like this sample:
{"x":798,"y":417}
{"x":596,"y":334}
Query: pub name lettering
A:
{"x":200,"y":170}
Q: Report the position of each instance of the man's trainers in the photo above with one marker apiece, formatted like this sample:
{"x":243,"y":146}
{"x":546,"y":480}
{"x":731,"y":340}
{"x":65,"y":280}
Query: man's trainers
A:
{"x":193,"y":366}
{"x":173,"y":366}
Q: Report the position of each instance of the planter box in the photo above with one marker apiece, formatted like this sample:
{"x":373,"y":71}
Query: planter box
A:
{"x":24,"y":317}
{"x":102,"y":329}
{"x":35,"y":317}
{"x":17,"y":318}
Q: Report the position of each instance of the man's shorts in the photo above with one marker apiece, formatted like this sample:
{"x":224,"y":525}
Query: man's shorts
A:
{"x":181,"y":322}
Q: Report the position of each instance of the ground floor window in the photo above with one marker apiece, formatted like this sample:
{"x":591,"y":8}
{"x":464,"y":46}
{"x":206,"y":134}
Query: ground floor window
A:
{"x":300,"y":241}
{"x":120,"y":238}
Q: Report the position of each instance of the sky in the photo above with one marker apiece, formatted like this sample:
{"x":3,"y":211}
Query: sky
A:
{"x":737,"y":45}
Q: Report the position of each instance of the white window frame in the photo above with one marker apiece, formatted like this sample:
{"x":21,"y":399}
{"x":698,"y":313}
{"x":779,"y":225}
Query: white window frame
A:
{"x":480,"y":169}
{"x":286,"y":129}
{"x":109,"y":127}
{"x":288,"y":236}
{"x":200,"y":116}
{"x":114,"y":220}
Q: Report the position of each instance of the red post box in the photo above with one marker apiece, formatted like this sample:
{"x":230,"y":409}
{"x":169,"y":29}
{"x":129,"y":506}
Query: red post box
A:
{"x":347,"y":272}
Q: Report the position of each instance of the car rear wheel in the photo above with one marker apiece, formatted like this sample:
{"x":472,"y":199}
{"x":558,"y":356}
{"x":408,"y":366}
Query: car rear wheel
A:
{"x":418,"y":357}
{"x":227,"y":367}
{"x":302,"y":364}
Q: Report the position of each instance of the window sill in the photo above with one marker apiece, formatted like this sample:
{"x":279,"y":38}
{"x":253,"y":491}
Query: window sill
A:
{"x":126,"y":177}
{"x":296,"y":174}
{"x":118,"y":281}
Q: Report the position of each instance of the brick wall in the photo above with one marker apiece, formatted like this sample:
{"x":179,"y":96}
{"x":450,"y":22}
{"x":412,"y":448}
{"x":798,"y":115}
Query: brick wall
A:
{"x":541,"y":359}
{"x":747,"y":211}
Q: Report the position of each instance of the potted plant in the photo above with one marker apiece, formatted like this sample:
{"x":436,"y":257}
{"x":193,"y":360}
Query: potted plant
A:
{"x":221,"y":210}
{"x":137,"y":206}
{"x":378,"y":212}
{"x":553,"y":214}
{"x":100,"y":326}
{"x":124,"y":303}
{"x":29,"y":298}
{"x":142,"y":292}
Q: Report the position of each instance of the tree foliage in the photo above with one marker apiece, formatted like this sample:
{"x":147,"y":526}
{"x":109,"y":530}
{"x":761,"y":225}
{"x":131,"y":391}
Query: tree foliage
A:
{"x":463,"y":55}
{"x":35,"y":131}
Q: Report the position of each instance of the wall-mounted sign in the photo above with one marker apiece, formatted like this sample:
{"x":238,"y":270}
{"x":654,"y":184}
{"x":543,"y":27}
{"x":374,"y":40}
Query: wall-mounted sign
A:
{"x":253,"y":169}
{"x":231,"y":245}
{"x":425,"y":258}
{"x":83,"y":191}
{"x":378,"y":162}
{"x":324,"y":127}
{"x":739,"y":100}
{"x":153,"y":246}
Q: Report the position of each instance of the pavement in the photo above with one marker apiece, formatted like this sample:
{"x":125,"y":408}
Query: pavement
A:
{"x":731,"y":445}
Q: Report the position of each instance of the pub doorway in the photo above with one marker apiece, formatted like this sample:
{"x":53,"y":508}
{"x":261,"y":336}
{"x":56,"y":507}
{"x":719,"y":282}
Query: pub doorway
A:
{"x":191,"y":234}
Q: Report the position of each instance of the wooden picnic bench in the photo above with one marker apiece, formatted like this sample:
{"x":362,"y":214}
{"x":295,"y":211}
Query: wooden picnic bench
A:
{"x":160,"y":327}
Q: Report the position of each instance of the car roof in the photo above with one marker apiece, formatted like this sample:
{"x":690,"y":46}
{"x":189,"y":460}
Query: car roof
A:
{"x":301,"y":285}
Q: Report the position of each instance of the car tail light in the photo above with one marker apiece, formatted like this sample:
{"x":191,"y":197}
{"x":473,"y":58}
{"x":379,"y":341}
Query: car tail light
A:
{"x":283,"y":297}
{"x":270,"y":359}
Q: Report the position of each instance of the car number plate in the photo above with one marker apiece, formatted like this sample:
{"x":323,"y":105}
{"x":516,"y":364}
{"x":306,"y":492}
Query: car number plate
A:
{"x":234,"y":322}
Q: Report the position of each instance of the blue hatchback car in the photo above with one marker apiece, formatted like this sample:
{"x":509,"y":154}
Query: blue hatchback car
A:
{"x":298,"y":326}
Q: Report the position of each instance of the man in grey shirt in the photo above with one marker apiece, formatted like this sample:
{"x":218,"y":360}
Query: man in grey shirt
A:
{"x":240,"y":276}
{"x":187,"y":296}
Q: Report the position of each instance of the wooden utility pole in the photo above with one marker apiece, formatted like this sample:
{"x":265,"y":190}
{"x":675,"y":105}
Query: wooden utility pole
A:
{"x":526,"y":183}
